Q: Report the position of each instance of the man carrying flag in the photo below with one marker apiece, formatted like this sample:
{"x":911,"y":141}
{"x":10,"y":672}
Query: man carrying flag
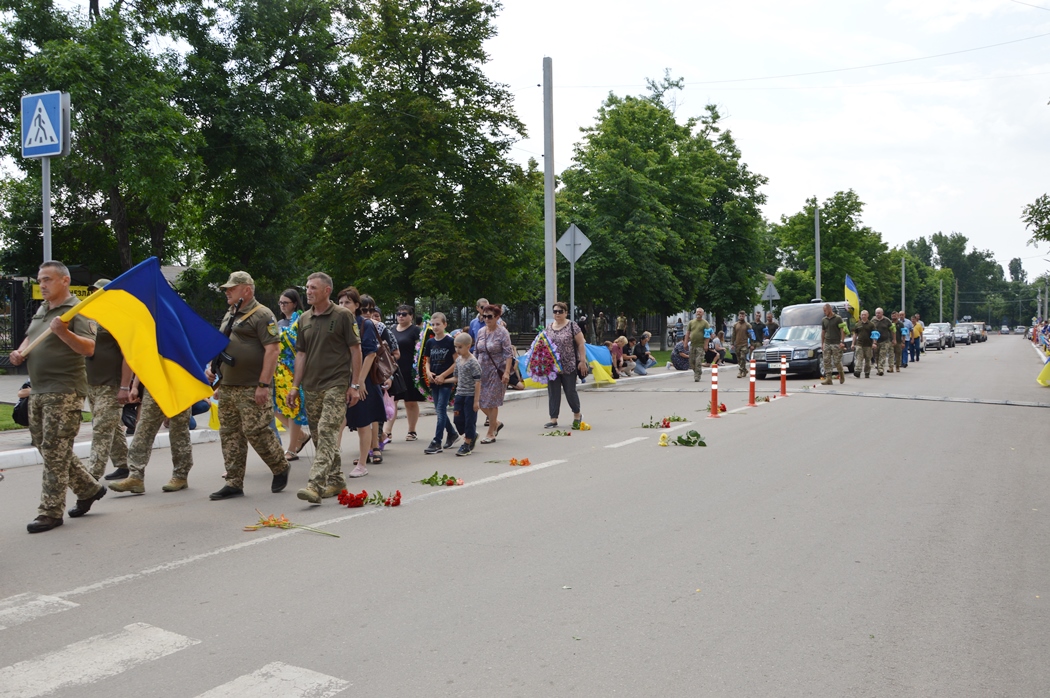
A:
{"x":56,"y":370}
{"x":167,"y":345}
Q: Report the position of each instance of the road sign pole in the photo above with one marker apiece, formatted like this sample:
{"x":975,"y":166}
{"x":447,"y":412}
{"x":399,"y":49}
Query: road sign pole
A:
{"x":816,"y":240}
{"x":550,"y":284}
{"x":572,"y":275}
{"x":45,"y":186}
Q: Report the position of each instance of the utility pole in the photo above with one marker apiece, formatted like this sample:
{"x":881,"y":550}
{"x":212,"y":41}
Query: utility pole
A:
{"x":903,"y":307}
{"x":816,"y":234}
{"x":550,"y":285}
{"x":955,"y":313}
{"x":940,"y":313}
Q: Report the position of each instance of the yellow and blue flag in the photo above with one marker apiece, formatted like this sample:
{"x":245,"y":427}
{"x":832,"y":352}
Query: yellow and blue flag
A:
{"x":164,"y":342}
{"x":852,"y":297}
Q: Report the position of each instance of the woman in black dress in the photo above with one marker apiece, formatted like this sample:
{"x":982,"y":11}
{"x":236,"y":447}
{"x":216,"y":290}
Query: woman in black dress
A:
{"x":361,"y":416}
{"x":406,"y":333}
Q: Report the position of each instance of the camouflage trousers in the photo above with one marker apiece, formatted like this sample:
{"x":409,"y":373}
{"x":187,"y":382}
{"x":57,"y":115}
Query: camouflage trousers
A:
{"x":107,"y":432}
{"x":696,"y":359}
{"x":898,"y":350}
{"x":832,"y":359}
{"x":150,"y":420}
{"x":54,"y":421}
{"x":884,"y":361}
{"x":244,"y":422}
{"x":325,"y":410}
{"x":863,"y":361}
{"x":740,"y":354}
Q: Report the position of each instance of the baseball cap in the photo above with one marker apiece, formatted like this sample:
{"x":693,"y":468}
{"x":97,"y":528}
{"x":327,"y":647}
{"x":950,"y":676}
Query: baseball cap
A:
{"x":100,"y":283}
{"x":237,"y":278}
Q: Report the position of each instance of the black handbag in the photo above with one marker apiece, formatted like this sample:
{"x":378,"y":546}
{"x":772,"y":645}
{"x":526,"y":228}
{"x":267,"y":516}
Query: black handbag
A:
{"x":20,"y":414}
{"x":397,"y":383}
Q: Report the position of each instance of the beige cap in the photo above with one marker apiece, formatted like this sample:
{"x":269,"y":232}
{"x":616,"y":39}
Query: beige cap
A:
{"x":237,"y":278}
{"x":100,"y":283}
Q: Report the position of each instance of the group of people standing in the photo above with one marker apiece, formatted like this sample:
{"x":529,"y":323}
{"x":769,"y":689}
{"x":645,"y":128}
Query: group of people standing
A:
{"x":885,"y":342}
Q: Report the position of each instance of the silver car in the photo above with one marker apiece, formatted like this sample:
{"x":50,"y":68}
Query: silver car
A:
{"x":932,"y":338}
{"x":946,"y":331}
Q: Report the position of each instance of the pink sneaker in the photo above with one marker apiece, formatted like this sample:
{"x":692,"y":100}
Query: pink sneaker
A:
{"x":358,"y":471}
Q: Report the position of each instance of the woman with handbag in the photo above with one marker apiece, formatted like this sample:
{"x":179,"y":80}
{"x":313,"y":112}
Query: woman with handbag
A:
{"x":368,"y":411}
{"x":495,"y":352}
{"x":406,"y":335}
{"x":566,"y":337}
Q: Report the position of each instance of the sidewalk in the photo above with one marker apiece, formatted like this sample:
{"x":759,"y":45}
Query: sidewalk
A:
{"x":17,"y":451}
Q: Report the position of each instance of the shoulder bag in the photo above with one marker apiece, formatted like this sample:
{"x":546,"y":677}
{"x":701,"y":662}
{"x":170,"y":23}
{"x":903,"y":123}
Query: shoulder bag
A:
{"x":383,"y":366}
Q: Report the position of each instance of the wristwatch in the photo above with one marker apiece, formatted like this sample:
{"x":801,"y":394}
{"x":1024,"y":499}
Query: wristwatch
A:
{"x":263,"y":385}
{"x":355,"y":386}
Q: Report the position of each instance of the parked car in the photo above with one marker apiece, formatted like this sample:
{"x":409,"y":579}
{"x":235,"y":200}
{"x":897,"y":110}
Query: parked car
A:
{"x":932,"y":338}
{"x":1005,"y":329}
{"x":1020,"y":329}
{"x":798,"y":339}
{"x":981,"y":331}
{"x":946,"y":332}
{"x":962,"y":334}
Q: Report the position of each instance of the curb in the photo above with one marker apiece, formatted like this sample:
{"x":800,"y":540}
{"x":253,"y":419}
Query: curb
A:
{"x":24,"y":457}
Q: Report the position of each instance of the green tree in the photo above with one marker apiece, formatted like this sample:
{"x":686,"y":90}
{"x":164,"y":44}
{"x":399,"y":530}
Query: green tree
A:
{"x":1017,"y":272}
{"x":847,"y":246}
{"x":738,"y":230}
{"x":639,"y":190}
{"x":415,"y":193}
{"x":1036,"y":217}
{"x":133,"y":150}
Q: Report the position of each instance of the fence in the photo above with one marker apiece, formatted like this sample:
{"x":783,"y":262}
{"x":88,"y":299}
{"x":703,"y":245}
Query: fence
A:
{"x":16,"y":309}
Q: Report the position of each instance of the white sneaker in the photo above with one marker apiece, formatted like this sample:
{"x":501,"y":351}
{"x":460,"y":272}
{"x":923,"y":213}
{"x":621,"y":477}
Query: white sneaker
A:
{"x":668,"y":365}
{"x":358,"y":471}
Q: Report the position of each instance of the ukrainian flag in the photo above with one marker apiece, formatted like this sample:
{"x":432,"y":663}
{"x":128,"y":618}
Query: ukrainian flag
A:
{"x":164,"y":342}
{"x":853,"y":298}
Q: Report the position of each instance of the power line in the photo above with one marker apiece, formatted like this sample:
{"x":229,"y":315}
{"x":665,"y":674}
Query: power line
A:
{"x":1028,"y":4}
{"x":831,"y":70}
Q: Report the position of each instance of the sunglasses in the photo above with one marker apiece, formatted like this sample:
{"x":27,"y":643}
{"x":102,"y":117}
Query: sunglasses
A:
{"x":402,"y":314}
{"x":558,"y":311}
{"x":487,"y":317}
{"x":284,"y":303}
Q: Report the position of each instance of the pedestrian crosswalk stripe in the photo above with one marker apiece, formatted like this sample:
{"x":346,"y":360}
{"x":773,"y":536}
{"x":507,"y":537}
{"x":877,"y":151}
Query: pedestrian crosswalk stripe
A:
{"x":23,"y":608}
{"x":279,"y":680}
{"x":90,"y":660}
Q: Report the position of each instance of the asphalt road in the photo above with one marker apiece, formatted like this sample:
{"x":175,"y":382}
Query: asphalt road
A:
{"x":820,"y":545}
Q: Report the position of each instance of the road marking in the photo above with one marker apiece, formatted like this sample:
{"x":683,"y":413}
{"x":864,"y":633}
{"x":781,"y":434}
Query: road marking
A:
{"x":182,"y":562}
{"x":927,"y":398}
{"x":683,"y":425}
{"x":90,"y":660}
{"x":627,"y":442}
{"x":279,"y":680}
{"x":23,"y":608}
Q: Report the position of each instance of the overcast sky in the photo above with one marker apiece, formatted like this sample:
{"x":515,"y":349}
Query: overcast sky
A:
{"x":953,"y":143}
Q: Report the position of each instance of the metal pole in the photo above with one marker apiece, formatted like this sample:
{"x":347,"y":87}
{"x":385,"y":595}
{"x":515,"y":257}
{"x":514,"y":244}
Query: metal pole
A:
{"x":903,"y":307}
{"x":940,"y":313}
{"x":572,"y":274}
{"x":45,"y":178}
{"x":550,"y":255}
{"x":816,"y":234}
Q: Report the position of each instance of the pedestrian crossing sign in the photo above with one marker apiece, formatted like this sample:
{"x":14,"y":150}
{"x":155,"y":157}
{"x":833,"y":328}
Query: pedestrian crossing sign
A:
{"x":45,"y":125}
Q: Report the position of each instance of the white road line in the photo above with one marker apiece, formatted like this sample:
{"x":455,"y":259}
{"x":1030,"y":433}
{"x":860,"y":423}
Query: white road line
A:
{"x":279,"y":680}
{"x":90,"y":660}
{"x":627,"y":442}
{"x":23,"y":608}
{"x":684,"y":425}
{"x":182,"y":562}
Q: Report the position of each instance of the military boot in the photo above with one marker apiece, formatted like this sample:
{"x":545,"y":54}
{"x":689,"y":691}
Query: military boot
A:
{"x":175,"y":484}
{"x":128,"y":484}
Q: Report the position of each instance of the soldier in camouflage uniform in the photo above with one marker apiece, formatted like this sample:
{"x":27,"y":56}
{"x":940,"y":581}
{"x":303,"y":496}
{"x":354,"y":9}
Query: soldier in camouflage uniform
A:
{"x":328,"y":337}
{"x":742,"y":339}
{"x":885,"y":343}
{"x":245,"y":408}
{"x":56,"y":370}
{"x":150,"y":420}
{"x":862,"y":345}
{"x":832,"y":338}
{"x":107,"y":393}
